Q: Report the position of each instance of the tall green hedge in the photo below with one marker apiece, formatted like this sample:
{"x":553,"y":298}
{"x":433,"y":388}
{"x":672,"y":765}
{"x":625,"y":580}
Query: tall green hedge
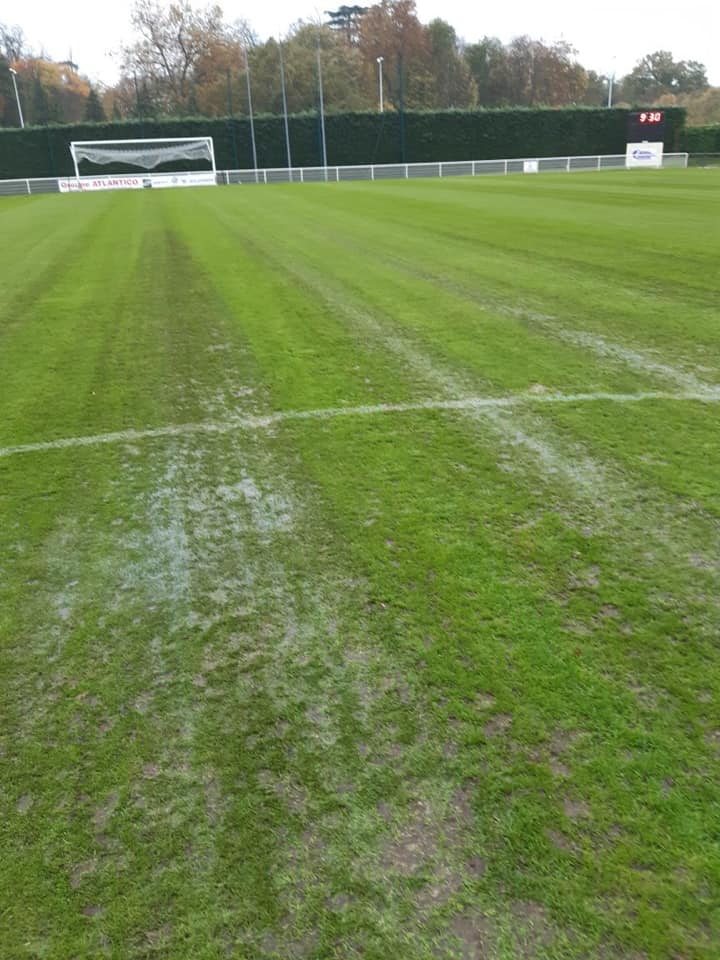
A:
{"x":352,"y":138}
{"x":701,"y":139}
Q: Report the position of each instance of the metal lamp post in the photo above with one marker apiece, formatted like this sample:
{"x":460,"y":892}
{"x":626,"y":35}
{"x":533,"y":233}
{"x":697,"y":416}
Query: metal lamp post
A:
{"x":380,"y":61}
{"x":17,"y":97}
{"x":250,"y":111}
{"x":611,"y":81}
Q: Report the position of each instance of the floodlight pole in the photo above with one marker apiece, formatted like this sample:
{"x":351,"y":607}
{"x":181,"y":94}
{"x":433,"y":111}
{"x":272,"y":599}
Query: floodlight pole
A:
{"x":322,"y":108}
{"x":252,"y":119}
{"x":17,"y":98}
{"x":611,"y":81}
{"x":285,"y":111}
{"x":380,"y":61}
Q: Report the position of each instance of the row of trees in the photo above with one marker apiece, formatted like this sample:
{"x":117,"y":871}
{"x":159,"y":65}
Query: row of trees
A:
{"x":49,"y":91}
{"x":186,"y":60}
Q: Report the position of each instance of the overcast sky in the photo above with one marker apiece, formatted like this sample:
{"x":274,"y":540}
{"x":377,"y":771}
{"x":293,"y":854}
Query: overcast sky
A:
{"x":610,"y":35}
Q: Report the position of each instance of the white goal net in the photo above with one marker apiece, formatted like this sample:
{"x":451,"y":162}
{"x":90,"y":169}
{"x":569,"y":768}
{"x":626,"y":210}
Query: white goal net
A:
{"x":147,"y":155}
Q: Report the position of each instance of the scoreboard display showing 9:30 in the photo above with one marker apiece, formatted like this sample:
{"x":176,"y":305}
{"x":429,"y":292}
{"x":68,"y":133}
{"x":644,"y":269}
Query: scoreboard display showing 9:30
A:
{"x":646,"y":125}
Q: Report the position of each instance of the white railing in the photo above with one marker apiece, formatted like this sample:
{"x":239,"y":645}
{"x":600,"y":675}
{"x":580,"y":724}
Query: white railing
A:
{"x":371,"y":172}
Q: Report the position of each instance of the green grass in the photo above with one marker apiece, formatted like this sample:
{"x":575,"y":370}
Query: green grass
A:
{"x":415,"y":683}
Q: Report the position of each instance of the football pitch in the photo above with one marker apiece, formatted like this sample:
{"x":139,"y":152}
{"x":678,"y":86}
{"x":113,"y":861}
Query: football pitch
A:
{"x":360,"y":569}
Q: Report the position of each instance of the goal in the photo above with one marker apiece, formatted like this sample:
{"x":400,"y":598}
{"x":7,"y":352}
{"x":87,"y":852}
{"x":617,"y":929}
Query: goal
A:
{"x":148,"y":155}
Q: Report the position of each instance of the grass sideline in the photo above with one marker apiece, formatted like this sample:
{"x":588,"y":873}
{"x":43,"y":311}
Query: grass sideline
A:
{"x":430,"y":682}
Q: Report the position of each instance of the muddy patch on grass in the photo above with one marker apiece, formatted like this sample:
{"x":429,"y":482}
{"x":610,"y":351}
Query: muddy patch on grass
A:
{"x":560,"y":841}
{"x":534,"y":930}
{"x":416,"y":845}
{"x":439,"y":891}
{"x":473,"y":936}
{"x":484,"y":701}
{"x":103,"y":813}
{"x":498,"y":725}
{"x":93,"y":910}
{"x":558,"y":768}
{"x":576,"y":809}
{"x":80,"y":871}
{"x":293,"y":795}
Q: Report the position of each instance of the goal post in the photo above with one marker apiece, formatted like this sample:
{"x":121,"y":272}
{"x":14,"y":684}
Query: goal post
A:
{"x":147,"y":154}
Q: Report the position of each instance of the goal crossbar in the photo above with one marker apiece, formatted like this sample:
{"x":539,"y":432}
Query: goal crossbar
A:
{"x":147,"y":153}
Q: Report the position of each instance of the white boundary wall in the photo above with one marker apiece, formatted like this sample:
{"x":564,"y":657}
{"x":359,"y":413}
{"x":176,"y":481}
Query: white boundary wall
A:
{"x":393,"y":171}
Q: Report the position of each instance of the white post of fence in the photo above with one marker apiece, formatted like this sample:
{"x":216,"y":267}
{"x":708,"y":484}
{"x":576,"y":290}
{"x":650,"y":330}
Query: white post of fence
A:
{"x":473,"y":168}
{"x":440,"y":170}
{"x":567,"y":165}
{"x":372,"y":173}
{"x":406,"y":172}
{"x":506,"y":167}
{"x":27,"y":184}
{"x":599,"y":163}
{"x":265,"y":175}
{"x":337,"y":174}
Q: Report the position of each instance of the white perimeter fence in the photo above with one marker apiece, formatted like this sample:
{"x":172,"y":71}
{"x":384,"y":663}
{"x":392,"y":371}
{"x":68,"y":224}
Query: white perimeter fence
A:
{"x":391,"y":171}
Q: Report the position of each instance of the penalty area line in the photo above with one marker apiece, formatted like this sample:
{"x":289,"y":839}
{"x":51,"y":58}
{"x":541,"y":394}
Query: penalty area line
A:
{"x":240,"y":423}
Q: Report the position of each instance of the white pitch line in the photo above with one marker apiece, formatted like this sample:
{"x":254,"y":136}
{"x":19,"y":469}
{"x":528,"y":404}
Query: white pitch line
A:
{"x":365,"y":410}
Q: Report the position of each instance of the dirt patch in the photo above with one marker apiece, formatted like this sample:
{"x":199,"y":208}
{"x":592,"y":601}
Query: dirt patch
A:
{"x":156,"y":938}
{"x":438,"y":893}
{"x":150,"y":771}
{"x":588,"y":579}
{"x":534,"y":929}
{"x":213,"y":801}
{"x":498,"y":724}
{"x":559,"y":768}
{"x":93,"y":911}
{"x":560,"y":841}
{"x":340,"y":902}
{"x":291,"y":793}
{"x":416,"y":843}
{"x":102,"y":814}
{"x":576,"y":809}
{"x":645,"y":696}
{"x":24,"y":803}
{"x":477,"y":936}
{"x":484,"y":701}
{"x":415,"y":847}
{"x":476,"y":867}
{"x":80,"y":871}
{"x":562,"y":741}
{"x":461,"y":801}
{"x":385,"y":812}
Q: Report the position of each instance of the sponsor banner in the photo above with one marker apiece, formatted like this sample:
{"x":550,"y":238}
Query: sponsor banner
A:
{"x":99,"y":183}
{"x":643,"y":154}
{"x":139,"y":182}
{"x":530,"y":166}
{"x":204,"y":179}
